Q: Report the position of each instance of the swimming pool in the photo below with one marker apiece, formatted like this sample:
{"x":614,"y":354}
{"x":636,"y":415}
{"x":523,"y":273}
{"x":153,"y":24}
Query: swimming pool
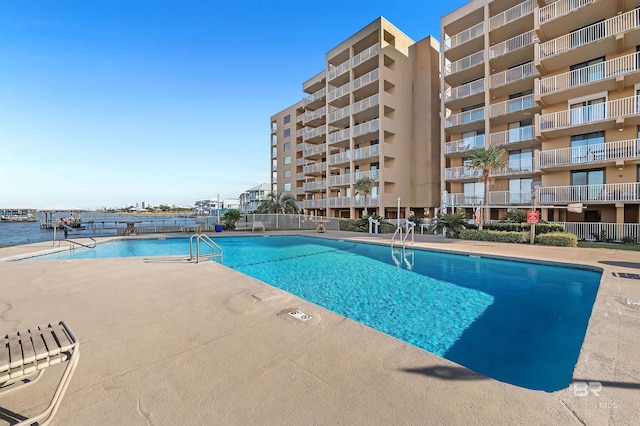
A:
{"x":521,"y":323}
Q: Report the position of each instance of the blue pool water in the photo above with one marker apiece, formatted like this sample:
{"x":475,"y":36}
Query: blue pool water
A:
{"x":521,"y":323}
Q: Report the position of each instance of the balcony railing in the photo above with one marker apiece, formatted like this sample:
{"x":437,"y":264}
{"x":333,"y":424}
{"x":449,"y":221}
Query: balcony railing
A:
{"x":513,"y":74}
{"x":341,"y":157}
{"x":461,"y":172}
{"x":521,"y":134}
{"x":315,"y":186}
{"x":316,"y":96}
{"x":364,"y":128}
{"x":612,"y":68}
{"x":465,"y":90}
{"x":619,"y":150}
{"x":338,"y":136}
{"x":338,"y":114}
{"x":340,"y":91}
{"x":300,"y":161}
{"x":370,"y":200}
{"x":523,"y":165}
{"x":466,"y":144}
{"x":366,"y":152}
{"x":300,"y":176}
{"x":610,"y":27}
{"x":315,"y":131}
{"x":464,"y":63}
{"x":512,"y":105}
{"x":299,"y":118}
{"x":599,"y":193}
{"x":339,"y":201}
{"x":615,"y":109}
{"x":369,"y":77}
{"x":300,"y":132}
{"x":505,"y":198}
{"x":560,"y":8}
{"x":311,"y":149}
{"x":512,"y":44}
{"x":366,"y":103}
{"x":315,"y":168}
{"x":366,"y":54}
{"x":339,"y":70}
{"x":511,"y":14}
{"x":314,"y":204}
{"x":320,"y":112}
{"x":300,"y":190}
{"x":464,"y":117}
{"x":460,"y":199}
{"x":337,"y":180}
{"x":463,"y":36}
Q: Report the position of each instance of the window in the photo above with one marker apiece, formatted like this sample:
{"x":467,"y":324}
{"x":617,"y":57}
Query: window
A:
{"x":287,"y":159}
{"x":587,"y":147}
{"x":286,"y":133}
{"x":518,"y":101}
{"x":473,"y":113}
{"x":286,"y":147}
{"x":587,"y":71}
{"x":520,"y":160}
{"x":287,"y":173}
{"x":473,"y":192}
{"x":287,"y":119}
{"x":589,"y":185}
{"x":473,"y":139}
{"x":520,"y":190}
{"x":588,"y":110}
{"x":520,"y":131}
{"x":287,"y":187}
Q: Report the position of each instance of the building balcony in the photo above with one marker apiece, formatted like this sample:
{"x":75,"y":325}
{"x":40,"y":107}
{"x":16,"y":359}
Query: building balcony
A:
{"x":515,"y":167}
{"x":514,"y":138}
{"x":315,"y":169}
{"x":464,"y":121}
{"x":617,"y":113}
{"x":340,"y":180}
{"x":316,"y":100}
{"x":315,"y":83}
{"x":300,"y":190}
{"x":614,"y":34}
{"x":300,"y":147}
{"x":559,"y":8}
{"x":366,"y":54}
{"x":366,"y":85}
{"x":300,"y":161}
{"x":299,"y":118}
{"x":614,"y":74}
{"x":513,"y":110}
{"x":300,"y":132}
{"x":368,"y":201}
{"x":314,"y":204}
{"x":465,"y":42}
{"x":340,"y":158}
{"x":300,"y":176}
{"x":364,"y":154}
{"x":465,"y":69}
{"x":315,"y":134}
{"x":340,"y":117}
{"x":513,"y":80}
{"x":314,"y":118}
{"x":340,"y":202}
{"x":338,"y":96}
{"x":513,"y":51}
{"x":336,"y":71}
{"x":315,"y":186}
{"x":589,"y":194}
{"x":340,"y":136}
{"x":314,"y":151}
{"x":366,"y":128}
{"x":508,"y":198}
{"x":606,"y":154}
{"x":468,"y":94}
{"x":461,"y":173}
{"x":463,"y":146}
{"x":512,"y":16}
{"x":465,"y":200}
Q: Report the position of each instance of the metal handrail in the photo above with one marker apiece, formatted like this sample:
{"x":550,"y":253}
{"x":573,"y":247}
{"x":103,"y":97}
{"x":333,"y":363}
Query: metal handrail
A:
{"x":70,"y":229}
{"x":209,"y":242}
{"x":410,"y":230}
{"x":398,"y":232}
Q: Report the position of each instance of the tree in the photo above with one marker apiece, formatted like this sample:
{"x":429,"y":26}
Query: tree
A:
{"x":364,"y":185}
{"x":453,"y":223}
{"x":230,"y":217}
{"x":486,"y":159}
{"x":278,"y":202}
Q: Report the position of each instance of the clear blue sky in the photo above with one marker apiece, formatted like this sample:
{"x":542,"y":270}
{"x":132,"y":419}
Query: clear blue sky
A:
{"x":107,"y":103}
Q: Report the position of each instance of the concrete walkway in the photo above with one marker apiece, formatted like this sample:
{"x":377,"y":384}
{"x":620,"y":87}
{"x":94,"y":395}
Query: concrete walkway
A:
{"x":165,"y":342}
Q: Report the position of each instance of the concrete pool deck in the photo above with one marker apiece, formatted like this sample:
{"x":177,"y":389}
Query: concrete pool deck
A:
{"x":166,"y":342}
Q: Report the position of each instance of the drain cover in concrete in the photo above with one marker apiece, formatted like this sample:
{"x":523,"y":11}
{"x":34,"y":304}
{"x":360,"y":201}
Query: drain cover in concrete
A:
{"x":300,"y":315}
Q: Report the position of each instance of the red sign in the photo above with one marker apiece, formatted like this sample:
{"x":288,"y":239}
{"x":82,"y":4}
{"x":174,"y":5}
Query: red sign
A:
{"x":533,"y":216}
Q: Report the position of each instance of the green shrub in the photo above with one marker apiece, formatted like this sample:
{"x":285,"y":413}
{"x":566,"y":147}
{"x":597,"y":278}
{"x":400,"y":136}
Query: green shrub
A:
{"x":629,"y":239}
{"x":362,"y":225}
{"x":541,"y":228}
{"x":495,"y":236}
{"x":561,"y":239}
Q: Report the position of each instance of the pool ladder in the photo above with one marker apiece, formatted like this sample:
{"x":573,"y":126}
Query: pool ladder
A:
{"x":216,"y":249}
{"x":403,"y":240}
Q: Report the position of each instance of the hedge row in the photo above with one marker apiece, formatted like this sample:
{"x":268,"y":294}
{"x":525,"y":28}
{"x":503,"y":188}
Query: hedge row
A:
{"x":495,"y":236}
{"x":541,"y":228}
{"x":562,"y":239}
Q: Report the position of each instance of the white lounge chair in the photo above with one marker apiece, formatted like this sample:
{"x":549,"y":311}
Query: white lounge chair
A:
{"x":24,"y":355}
{"x":257,"y":225}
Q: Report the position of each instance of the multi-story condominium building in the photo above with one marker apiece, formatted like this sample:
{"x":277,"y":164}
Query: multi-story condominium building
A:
{"x":372,"y":112}
{"x":557,"y":85}
{"x":252,"y":197}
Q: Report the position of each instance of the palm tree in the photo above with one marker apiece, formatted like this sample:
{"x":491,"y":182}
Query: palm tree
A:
{"x":230,"y":218}
{"x":278,"y":202}
{"x":453,"y":223}
{"x":486,"y":159}
{"x":364,"y":185}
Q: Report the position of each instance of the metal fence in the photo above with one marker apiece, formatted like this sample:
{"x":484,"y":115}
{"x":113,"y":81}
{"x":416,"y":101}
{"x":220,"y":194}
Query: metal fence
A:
{"x":286,"y":222}
{"x":595,"y":231}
